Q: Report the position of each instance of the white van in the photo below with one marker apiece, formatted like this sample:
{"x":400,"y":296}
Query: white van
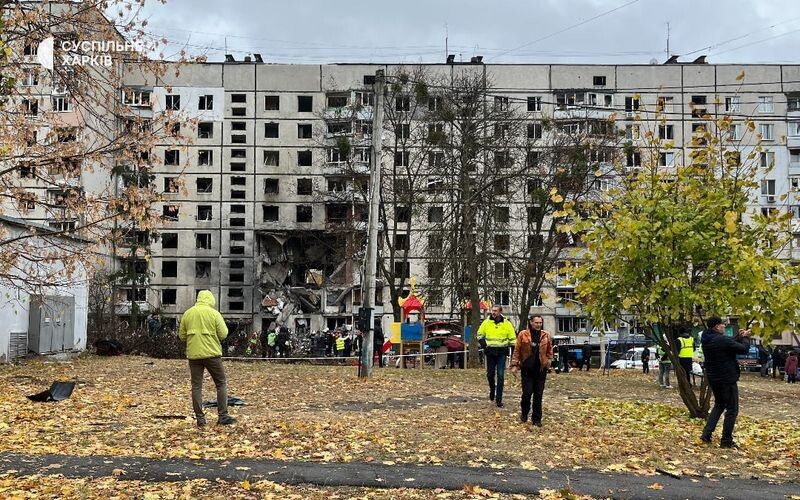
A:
{"x":633,"y":359}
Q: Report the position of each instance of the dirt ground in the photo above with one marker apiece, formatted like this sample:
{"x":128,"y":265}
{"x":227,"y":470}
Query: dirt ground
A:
{"x":135,"y":406}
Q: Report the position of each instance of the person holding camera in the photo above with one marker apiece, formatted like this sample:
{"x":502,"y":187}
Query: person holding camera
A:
{"x":722,"y":372}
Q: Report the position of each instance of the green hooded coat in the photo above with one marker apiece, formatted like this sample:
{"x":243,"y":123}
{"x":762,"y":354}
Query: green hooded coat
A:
{"x":202,"y":328}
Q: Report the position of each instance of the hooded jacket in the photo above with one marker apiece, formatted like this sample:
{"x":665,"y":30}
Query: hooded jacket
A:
{"x":202,"y":328}
{"x":720,"y":357}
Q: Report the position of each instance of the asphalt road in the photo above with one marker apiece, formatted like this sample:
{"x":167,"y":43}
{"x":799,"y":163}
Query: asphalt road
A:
{"x":378,"y":475}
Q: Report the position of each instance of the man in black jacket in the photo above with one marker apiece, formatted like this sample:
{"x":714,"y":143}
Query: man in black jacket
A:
{"x":722,"y":372}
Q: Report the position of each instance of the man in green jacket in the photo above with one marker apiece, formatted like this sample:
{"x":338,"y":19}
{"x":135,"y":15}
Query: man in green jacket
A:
{"x":496,"y":335}
{"x":203,"y":330}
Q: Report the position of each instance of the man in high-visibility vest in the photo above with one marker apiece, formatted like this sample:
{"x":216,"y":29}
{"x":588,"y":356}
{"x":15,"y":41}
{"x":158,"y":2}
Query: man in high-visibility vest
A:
{"x":686,"y":353}
{"x":339,"y":345}
{"x":496,"y":334}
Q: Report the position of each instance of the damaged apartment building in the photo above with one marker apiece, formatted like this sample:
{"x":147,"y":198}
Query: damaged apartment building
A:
{"x":273,"y":220}
{"x":267,"y":216}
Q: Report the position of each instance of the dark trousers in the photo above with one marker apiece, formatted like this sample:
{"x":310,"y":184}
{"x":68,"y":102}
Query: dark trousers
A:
{"x":496,"y":362}
{"x":646,"y":365}
{"x":217,"y":372}
{"x":686,"y":363}
{"x":726,"y":398}
{"x":532,"y":385}
{"x":791,"y":377}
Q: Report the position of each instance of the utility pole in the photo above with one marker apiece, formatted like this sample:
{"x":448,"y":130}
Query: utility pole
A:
{"x":367,"y":312}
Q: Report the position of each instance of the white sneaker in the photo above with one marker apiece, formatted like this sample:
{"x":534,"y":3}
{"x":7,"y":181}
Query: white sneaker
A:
{"x":669,"y":387}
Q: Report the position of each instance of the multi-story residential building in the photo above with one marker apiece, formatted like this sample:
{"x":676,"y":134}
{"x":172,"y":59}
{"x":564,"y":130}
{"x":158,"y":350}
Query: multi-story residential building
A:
{"x":260,"y":205}
{"x":259,"y":217}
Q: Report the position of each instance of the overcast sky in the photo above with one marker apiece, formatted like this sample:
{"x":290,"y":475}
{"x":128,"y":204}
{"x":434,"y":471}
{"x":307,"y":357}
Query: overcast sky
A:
{"x":503,"y":31}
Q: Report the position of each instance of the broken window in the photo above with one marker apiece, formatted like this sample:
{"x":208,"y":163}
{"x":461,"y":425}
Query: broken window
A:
{"x":501,"y":103}
{"x":436,"y":132}
{"x":170,"y":212}
{"x":205,"y":212}
{"x":304,"y":131}
{"x":205,"y":185}
{"x":305,"y":104}
{"x":402,"y":214}
{"x":238,"y":139}
{"x":339,"y":127}
{"x":270,"y":186}
{"x":238,"y":167}
{"x":206,"y":102}
{"x":271,"y":158}
{"x":202,"y":269}
{"x":304,"y":158}
{"x":270,"y":213}
{"x":238,"y":153}
{"x":304,"y":213}
{"x":237,"y":250}
{"x":236,"y":277}
{"x":237,"y":264}
{"x":238,"y":181}
{"x":271,"y":130}
{"x":203,"y":241}
{"x":335,"y":156}
{"x":239,"y":98}
{"x":173,"y":102}
{"x":238,"y":222}
{"x":30,"y":107}
{"x":238,"y":126}
{"x":502,"y":242}
{"x":336,"y":185}
{"x":205,"y":130}
{"x":304,"y":187}
{"x":698,"y":104}
{"x":272,"y":103}
{"x":174,"y":129}
{"x":170,"y":184}
{"x":364,"y":98}
{"x":337,"y":100}
{"x":205,"y":157}
{"x":135,"y":97}
{"x":238,"y":112}
{"x":534,"y":103}
{"x":435,"y":270}
{"x":238,"y":209}
{"x":169,"y":240}
{"x":337,"y":212}
{"x":169,"y":297}
{"x":141,"y":294}
{"x":27,"y":171}
{"x":401,"y":242}
{"x":500,"y":187}
{"x":435,"y":214}
{"x":172,"y":157}
{"x":238,"y":194}
{"x":169,"y":269}
{"x":237,"y":236}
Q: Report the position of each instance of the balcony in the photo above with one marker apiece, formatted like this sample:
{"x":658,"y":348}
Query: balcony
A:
{"x":583,"y":113}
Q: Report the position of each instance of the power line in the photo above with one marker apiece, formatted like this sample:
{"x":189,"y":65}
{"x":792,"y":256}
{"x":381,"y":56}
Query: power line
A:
{"x":551,"y":35}
{"x":725,"y":42}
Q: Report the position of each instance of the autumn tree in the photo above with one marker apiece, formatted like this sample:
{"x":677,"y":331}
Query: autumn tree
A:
{"x":681,"y":244}
{"x":75,"y":156}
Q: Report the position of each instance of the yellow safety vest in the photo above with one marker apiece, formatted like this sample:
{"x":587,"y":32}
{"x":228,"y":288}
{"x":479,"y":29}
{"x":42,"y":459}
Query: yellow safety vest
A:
{"x":340,"y":344}
{"x":497,"y":334}
{"x":687,"y":347}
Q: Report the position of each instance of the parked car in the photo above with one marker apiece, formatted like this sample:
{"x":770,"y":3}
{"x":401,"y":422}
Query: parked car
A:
{"x":633,"y":359}
{"x":749,"y":362}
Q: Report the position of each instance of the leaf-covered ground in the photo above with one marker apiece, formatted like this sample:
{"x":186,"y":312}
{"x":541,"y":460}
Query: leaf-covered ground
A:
{"x":623,"y":422}
{"x":112,"y":488}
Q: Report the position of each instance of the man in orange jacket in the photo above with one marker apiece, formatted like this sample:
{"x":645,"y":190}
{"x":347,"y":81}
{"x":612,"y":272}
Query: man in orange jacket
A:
{"x":532,"y":356}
